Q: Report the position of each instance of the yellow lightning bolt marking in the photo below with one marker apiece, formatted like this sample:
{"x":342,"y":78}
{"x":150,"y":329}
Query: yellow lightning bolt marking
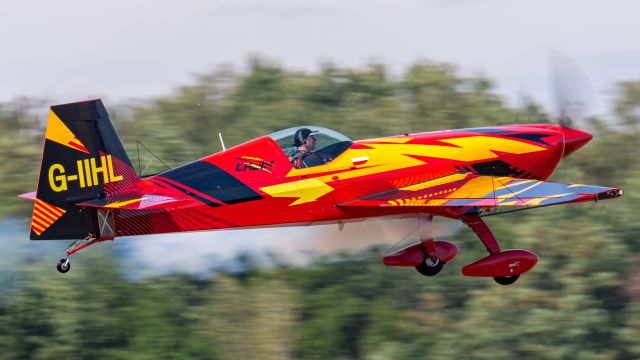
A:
{"x":306,"y":190}
{"x":400,"y":140}
{"x":393,"y":156}
{"x":390,"y":154}
{"x":470,"y":148}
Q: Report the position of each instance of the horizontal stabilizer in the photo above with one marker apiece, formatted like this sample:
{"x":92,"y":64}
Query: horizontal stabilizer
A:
{"x":29,"y":195}
{"x":137,"y":202}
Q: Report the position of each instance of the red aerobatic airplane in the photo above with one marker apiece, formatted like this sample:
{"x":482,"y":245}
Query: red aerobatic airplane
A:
{"x":89,"y":191}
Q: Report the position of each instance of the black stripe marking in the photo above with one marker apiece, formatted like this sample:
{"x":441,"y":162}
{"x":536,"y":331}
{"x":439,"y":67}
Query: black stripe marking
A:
{"x":193,"y":195}
{"x":213,"y":181}
{"x":492,"y":131}
{"x":158,"y":183}
{"x":531,"y":137}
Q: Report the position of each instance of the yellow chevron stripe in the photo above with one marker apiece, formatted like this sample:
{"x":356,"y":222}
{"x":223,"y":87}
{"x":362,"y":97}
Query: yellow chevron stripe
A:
{"x":44,"y":215}
{"x":39,"y":223}
{"x":50,"y":208}
{"x":41,"y":219}
{"x":39,"y":227}
{"x":36,"y":230}
{"x":47,"y":214}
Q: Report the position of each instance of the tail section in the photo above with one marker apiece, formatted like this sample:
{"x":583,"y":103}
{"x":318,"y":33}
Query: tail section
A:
{"x":82,"y":160}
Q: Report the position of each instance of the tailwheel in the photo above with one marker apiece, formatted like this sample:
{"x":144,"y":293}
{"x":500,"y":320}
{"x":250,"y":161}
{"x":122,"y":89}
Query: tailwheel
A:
{"x":506,"y":280}
{"x":63,"y":265}
{"x":430,"y":266}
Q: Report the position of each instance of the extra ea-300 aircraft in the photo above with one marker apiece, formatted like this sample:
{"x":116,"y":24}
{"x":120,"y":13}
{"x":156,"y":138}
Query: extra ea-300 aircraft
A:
{"x":88,"y":190}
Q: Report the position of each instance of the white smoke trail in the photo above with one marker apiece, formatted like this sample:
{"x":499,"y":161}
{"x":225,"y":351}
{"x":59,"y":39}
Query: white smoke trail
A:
{"x":201,"y":252}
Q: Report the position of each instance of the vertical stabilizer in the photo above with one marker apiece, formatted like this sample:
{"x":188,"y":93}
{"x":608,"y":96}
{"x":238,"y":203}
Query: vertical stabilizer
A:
{"x":82,"y":159}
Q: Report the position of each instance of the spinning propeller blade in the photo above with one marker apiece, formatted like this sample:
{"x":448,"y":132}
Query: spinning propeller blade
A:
{"x":572,"y":90}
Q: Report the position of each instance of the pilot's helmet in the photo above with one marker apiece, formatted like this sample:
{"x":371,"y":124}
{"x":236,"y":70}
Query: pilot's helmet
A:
{"x":300,"y":135}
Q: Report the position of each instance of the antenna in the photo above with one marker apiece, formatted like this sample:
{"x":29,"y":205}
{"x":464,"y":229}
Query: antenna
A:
{"x":224,"y":148}
{"x":222,"y":142}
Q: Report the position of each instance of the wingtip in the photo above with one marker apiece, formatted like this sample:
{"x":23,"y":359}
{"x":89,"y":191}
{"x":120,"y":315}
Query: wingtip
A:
{"x":609,"y":194}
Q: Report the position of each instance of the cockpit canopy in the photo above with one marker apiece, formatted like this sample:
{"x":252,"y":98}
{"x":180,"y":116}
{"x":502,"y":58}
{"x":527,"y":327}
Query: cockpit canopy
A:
{"x":329,"y":143}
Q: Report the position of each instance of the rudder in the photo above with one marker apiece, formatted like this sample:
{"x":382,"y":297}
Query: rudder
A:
{"x":82,"y":159}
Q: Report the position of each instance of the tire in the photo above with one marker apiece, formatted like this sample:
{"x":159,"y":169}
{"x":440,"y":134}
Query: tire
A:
{"x":429,"y":270}
{"x":63,"y":266}
{"x":506,"y":280}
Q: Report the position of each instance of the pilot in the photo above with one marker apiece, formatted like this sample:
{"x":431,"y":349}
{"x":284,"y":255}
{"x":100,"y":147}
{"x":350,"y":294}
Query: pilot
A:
{"x":303,"y":156}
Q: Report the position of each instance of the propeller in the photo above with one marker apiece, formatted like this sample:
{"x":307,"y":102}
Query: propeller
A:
{"x":572,"y":90}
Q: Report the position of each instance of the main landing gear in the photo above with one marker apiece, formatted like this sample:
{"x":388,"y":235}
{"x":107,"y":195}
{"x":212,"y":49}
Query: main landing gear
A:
{"x":504,"y":266}
{"x":429,"y":256}
{"x":64,"y":264}
{"x":436,"y":253}
{"x":430,"y":266}
{"x":506,"y":280}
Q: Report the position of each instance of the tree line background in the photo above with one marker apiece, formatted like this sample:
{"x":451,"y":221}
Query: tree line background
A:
{"x":580,"y":301}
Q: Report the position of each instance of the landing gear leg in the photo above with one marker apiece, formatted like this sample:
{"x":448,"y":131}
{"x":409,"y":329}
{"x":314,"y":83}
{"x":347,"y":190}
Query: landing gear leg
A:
{"x":64,"y":264}
{"x":432,"y":264}
{"x":484,"y":233}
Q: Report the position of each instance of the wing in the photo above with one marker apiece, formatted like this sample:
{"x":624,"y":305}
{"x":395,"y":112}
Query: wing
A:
{"x":489,"y":193}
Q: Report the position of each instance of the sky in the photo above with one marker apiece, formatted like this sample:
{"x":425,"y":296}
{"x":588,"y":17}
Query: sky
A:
{"x":124,"y":50}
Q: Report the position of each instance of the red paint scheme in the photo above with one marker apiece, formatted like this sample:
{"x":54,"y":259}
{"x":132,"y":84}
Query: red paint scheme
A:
{"x":484,"y":233}
{"x":459,"y":174}
{"x":271,"y":211}
{"x":504,"y":263}
{"x":276,"y":211}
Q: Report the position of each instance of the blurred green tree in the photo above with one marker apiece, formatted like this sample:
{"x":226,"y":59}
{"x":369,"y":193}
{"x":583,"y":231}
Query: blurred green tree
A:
{"x":581,"y":300}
